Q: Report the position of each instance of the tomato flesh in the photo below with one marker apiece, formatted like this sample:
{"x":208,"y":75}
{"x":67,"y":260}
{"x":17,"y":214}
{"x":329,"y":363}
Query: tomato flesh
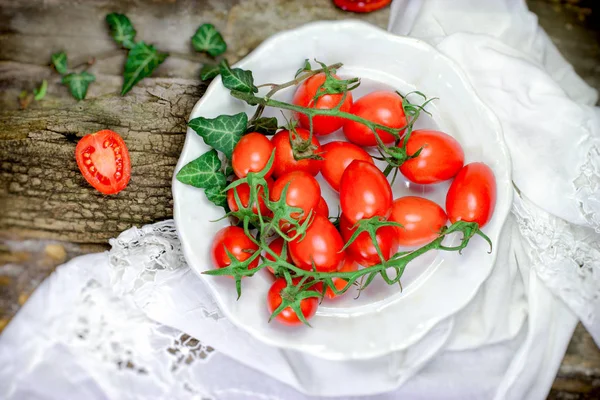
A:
{"x":284,"y":155}
{"x":322,"y":245}
{"x":337,"y":156}
{"x":243,"y":192}
{"x":104,"y":162}
{"x":421,"y":220}
{"x":288,"y":316}
{"x":472,"y":194}
{"x":237,"y":244}
{"x":361,"y":6}
{"x":363,"y":250}
{"x":277,"y":246}
{"x":322,"y":208}
{"x":303,"y":192}
{"x":349,"y":265}
{"x":251,"y":154}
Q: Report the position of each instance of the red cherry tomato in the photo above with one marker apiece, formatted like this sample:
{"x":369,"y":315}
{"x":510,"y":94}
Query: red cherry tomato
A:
{"x":243,"y":192}
{"x":384,"y":108}
{"x":288,"y":316}
{"x":103,"y":160}
{"x":364,"y":192}
{"x":251,"y":154}
{"x":337,"y":156}
{"x":304,"y":96}
{"x":472,"y":195}
{"x":277,"y":246}
{"x":285,"y":160}
{"x":362,"y":248}
{"x":349,"y":265}
{"x":303,"y":192}
{"x":440,"y":159}
{"x":322,"y":245}
{"x":237,"y":243}
{"x":422,"y":220}
{"x":322,"y":208}
{"x":361,"y":6}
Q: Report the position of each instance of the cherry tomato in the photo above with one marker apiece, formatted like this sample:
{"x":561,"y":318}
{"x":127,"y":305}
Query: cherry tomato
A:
{"x":337,"y":156}
{"x":237,"y":243}
{"x":303,"y":192}
{"x":285,"y":160}
{"x":277,"y":246}
{"x":288,"y":316}
{"x":322,"y":208}
{"x":361,"y":6}
{"x":251,"y":154}
{"x":243,"y":192}
{"x":472,"y":195}
{"x":384,"y":108}
{"x":103,"y":160}
{"x":362,"y":248}
{"x":422,"y":220}
{"x":349,"y":265}
{"x":440,"y":159}
{"x":322,"y":245}
{"x":304,"y":96}
{"x":364,"y":192}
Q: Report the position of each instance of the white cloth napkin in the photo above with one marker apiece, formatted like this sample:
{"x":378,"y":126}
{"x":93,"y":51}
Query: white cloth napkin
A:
{"x":110,"y":325}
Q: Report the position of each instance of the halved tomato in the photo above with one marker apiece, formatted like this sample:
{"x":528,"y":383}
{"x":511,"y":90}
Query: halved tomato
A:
{"x":103,"y":160}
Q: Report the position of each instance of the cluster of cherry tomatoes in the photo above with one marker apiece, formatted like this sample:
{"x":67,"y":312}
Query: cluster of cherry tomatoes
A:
{"x":364,"y":191}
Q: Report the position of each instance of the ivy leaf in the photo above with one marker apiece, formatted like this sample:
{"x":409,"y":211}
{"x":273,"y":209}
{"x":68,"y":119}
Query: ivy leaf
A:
{"x":121,"y":30}
{"x":221,"y":133}
{"x":207,"y":39}
{"x":78,"y":83}
{"x":203,"y":172}
{"x":59,"y":60}
{"x":209,"y":71}
{"x":305,"y":67}
{"x":216,"y":195}
{"x":142,"y":60}
{"x":264,"y":125}
{"x":237,"y":78}
{"x":40,"y":93}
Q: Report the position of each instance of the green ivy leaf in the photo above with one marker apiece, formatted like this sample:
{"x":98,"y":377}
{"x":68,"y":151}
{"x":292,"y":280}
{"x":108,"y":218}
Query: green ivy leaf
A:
{"x":203,"y":172}
{"x":237,"y":78}
{"x":142,"y":60}
{"x":216,"y":195}
{"x":121,"y":30}
{"x":221,"y":133}
{"x":78,"y":83}
{"x":40,"y":93}
{"x":209,"y":71}
{"x":264,"y":125}
{"x":59,"y":60}
{"x":208,"y":39}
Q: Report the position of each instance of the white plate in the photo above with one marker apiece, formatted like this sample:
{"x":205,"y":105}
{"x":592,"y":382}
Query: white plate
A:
{"x":436,"y":285}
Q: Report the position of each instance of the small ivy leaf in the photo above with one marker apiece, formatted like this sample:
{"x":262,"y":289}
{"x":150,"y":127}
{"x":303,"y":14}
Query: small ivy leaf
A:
{"x":217,"y":195}
{"x":121,"y":30}
{"x":305,"y":67}
{"x":59,"y":60}
{"x":207,"y":39}
{"x":203,"y":172}
{"x":78,"y":83}
{"x":40,"y":93}
{"x":237,"y":78}
{"x":264,"y":125}
{"x":221,"y":133}
{"x":142,"y":60}
{"x":209,"y":71}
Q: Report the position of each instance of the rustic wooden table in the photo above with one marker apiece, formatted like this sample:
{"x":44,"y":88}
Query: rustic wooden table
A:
{"x":49,"y":214}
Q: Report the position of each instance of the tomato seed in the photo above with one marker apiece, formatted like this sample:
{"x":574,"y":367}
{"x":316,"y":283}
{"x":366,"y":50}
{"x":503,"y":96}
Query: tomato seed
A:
{"x":118,"y":175}
{"x":106,"y":143}
{"x":88,"y":162}
{"x":117,"y":150}
{"x":92,"y":169}
{"x":86,"y":155}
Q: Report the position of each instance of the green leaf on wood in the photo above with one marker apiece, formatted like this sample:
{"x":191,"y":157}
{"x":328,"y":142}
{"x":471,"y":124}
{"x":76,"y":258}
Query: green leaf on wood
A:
{"x":142,"y":60}
{"x":40,"y":92}
{"x":237,"y":78}
{"x":264,"y":125}
{"x":203,"y":172}
{"x":121,"y":30}
{"x":221,"y":133}
{"x":208,"y":39}
{"x":209,"y":71}
{"x":216,"y":195}
{"x":78,"y":83}
{"x":59,"y":60}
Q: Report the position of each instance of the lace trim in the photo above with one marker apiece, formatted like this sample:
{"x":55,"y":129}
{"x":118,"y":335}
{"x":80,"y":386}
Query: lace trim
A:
{"x":588,"y":188}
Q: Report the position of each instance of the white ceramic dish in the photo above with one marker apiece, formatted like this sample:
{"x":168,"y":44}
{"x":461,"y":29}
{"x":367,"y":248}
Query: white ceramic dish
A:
{"x":435,"y":285}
